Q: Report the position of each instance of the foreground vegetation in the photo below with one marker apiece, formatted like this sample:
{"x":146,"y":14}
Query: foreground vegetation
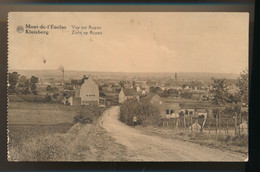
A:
{"x":222,"y":141}
{"x":82,"y":142}
{"x":51,"y":131}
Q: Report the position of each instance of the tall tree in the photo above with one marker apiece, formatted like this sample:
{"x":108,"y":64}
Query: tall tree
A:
{"x":13,"y":79}
{"x":24,"y":84}
{"x":33,"y":82}
{"x":219,"y":91}
{"x":242,"y":84}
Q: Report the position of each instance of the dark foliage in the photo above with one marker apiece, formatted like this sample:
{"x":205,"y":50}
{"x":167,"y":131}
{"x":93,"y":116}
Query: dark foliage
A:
{"x":87,"y":114}
{"x":146,"y":113}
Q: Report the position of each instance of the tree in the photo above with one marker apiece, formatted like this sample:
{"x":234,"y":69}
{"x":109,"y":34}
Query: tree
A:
{"x":121,"y":83}
{"x":47,"y":98}
{"x":242,"y":84}
{"x":145,"y":113}
{"x":87,"y":114}
{"x":219,"y":91}
{"x":48,"y":88}
{"x":33,"y":82}
{"x":133,"y":84}
{"x":186,"y":95}
{"x":173,"y":92}
{"x":13,"y":79}
{"x":156,"y":90}
{"x":24,"y":84}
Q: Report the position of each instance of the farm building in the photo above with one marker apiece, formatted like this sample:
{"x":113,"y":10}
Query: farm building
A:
{"x":165,"y":108}
{"x":188,"y":111}
{"x":156,"y":101}
{"x":126,"y":94}
{"x":85,"y":93}
{"x":172,"y":109}
{"x":89,"y":92}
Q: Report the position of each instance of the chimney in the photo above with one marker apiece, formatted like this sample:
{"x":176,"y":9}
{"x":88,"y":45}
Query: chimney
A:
{"x":62,"y":77}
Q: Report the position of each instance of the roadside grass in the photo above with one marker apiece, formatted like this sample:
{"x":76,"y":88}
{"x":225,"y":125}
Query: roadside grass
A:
{"x":222,"y":141}
{"x":82,"y":142}
{"x":236,"y":143}
{"x":51,"y":147}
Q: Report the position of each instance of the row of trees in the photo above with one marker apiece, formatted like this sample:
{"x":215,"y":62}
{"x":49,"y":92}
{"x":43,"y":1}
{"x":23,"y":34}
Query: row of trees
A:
{"x":21,"y":83}
{"x":171,"y":93}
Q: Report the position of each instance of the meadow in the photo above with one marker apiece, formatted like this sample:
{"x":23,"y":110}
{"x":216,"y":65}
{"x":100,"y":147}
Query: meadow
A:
{"x":39,"y":113}
{"x":27,"y":120}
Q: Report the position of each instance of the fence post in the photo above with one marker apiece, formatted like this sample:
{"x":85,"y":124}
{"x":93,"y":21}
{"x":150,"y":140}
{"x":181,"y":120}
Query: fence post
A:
{"x":227,"y":126}
{"x":184,"y":122}
{"x":209,"y":126}
{"x":239,"y":117}
{"x":216,"y":123}
{"x":236,"y":124}
{"x":191,"y":123}
{"x":219,"y":123}
{"x":242,"y":128}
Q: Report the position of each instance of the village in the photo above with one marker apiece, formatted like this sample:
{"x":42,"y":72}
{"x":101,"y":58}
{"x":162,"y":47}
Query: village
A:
{"x":172,"y":103}
{"x":173,"y":97}
{"x":149,"y":93}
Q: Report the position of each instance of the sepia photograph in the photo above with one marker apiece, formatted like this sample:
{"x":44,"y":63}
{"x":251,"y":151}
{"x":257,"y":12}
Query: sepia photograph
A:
{"x":128,"y":86}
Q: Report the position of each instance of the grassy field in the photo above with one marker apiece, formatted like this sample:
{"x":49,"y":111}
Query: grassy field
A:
{"x":47,"y":132}
{"x":28,"y":120}
{"x":39,"y":113}
{"x":20,"y":132}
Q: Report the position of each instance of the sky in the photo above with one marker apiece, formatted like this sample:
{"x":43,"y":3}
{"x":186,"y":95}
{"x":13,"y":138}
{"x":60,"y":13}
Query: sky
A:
{"x":132,"y":42}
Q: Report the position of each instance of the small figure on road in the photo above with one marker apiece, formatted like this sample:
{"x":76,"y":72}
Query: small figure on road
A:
{"x":101,"y":121}
{"x":134,"y":120}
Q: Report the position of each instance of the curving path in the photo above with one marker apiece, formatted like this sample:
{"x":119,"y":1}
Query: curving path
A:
{"x":141,"y":147}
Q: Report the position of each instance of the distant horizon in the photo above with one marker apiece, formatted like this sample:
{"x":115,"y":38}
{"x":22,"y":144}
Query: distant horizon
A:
{"x":118,"y":71}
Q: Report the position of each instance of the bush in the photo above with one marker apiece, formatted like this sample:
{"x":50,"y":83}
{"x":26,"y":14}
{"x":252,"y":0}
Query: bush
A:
{"x":87,"y":114}
{"x":146,"y":113}
{"x":47,"y":98}
{"x":42,"y":148}
{"x":55,"y":95}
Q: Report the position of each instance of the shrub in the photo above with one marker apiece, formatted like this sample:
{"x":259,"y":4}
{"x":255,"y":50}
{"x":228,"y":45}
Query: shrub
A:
{"x":146,"y":113}
{"x":42,"y":148}
{"x":87,"y":114}
{"x":47,"y":98}
{"x":55,"y":95}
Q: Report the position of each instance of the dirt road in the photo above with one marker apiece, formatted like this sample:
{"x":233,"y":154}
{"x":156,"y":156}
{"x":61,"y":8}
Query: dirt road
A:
{"x":142,"y":147}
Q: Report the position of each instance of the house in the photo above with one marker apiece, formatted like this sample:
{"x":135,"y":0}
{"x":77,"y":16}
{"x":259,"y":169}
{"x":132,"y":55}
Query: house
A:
{"x":127,"y":93}
{"x":74,"y":101}
{"x":172,"y":109}
{"x":89,"y":92}
{"x":201,"y":112}
{"x":166,"y":109}
{"x":188,"y":111}
{"x":156,"y":101}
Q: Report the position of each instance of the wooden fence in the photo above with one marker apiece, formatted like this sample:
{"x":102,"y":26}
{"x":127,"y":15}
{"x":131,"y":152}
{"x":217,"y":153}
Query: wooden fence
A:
{"x":220,"y":124}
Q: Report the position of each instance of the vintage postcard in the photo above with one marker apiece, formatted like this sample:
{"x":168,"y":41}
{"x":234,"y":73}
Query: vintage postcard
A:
{"x":128,"y":86}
